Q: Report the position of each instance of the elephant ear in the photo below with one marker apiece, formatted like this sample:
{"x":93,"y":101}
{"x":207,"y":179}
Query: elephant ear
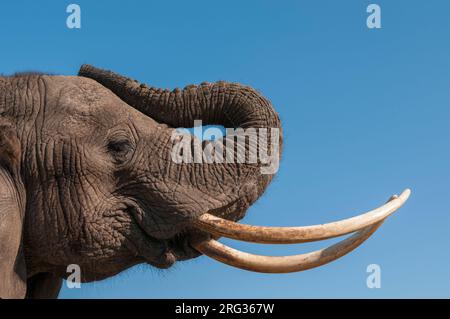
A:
{"x":12,"y":202}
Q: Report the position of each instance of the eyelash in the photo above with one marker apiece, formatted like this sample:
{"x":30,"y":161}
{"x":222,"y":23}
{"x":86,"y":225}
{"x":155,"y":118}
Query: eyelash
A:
{"x":120,"y":149}
{"x":119,"y":146}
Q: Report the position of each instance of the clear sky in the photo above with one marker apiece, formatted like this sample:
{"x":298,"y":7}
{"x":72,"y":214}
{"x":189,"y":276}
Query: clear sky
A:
{"x":365,"y":114}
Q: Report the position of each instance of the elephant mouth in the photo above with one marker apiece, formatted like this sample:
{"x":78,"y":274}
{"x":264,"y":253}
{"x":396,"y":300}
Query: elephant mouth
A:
{"x":162,"y":252}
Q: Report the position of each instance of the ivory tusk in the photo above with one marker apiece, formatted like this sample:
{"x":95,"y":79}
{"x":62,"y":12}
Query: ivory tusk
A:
{"x":283,"y":264}
{"x":290,"y":235}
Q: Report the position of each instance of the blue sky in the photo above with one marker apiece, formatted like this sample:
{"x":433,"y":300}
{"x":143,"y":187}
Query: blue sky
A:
{"x":365,"y":114}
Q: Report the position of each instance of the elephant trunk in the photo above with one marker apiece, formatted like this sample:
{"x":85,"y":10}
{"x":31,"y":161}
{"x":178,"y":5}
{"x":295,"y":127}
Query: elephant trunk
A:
{"x":229,"y":104}
{"x":222,"y":103}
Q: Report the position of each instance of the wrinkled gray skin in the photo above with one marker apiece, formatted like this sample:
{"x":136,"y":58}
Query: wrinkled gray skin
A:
{"x":86,"y":175}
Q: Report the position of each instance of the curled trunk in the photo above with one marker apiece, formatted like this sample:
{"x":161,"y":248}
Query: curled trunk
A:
{"x":222,"y":103}
{"x":229,"y":104}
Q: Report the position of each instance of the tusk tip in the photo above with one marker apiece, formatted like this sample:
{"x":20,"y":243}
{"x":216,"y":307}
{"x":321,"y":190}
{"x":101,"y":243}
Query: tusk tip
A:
{"x":406,"y":193}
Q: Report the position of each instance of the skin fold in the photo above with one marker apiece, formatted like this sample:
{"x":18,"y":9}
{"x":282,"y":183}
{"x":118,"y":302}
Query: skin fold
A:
{"x":86,"y":175}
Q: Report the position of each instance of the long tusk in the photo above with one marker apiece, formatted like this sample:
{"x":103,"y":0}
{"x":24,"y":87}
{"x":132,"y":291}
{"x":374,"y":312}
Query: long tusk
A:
{"x":283,"y":264}
{"x":291,"y":235}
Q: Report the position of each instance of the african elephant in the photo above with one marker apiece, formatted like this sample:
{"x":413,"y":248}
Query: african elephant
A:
{"x":87,"y":177}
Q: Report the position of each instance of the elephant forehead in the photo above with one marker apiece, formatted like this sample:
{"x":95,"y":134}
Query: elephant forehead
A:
{"x":80,"y":106}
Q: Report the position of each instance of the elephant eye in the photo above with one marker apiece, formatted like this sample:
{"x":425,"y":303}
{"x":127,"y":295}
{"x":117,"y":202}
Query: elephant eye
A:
{"x":120,"y":149}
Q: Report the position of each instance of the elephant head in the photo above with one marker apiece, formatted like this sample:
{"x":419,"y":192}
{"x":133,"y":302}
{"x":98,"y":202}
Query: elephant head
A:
{"x":90,"y":174}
